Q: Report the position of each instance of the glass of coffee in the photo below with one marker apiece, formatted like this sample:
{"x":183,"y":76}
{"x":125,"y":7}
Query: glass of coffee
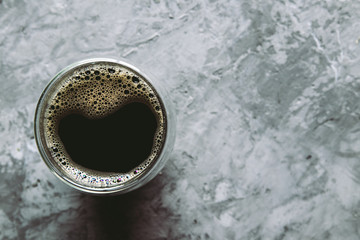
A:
{"x":104,"y":127}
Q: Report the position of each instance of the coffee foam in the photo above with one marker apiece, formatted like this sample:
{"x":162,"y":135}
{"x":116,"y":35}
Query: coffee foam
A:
{"x":96,"y":91}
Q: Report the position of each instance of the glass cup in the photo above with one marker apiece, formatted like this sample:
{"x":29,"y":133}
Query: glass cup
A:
{"x":102,"y":183}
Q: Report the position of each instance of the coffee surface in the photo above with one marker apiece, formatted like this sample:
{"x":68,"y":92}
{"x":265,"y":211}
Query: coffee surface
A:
{"x":116,"y":143}
{"x":105,"y":124}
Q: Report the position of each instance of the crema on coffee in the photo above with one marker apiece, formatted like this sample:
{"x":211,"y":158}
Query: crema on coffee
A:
{"x":104,"y":124}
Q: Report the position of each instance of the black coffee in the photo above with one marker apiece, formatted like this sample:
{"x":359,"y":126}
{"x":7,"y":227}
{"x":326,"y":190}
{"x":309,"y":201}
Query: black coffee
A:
{"x":105,"y":124}
{"x":116,"y":143}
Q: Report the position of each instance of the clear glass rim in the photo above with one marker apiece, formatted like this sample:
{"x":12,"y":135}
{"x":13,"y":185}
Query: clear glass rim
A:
{"x":127,"y":186}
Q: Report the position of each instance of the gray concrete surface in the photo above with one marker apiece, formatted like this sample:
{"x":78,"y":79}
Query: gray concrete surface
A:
{"x":267,"y":100}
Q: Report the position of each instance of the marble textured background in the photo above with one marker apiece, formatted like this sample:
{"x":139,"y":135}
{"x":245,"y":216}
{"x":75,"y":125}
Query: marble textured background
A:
{"x":267,"y":98}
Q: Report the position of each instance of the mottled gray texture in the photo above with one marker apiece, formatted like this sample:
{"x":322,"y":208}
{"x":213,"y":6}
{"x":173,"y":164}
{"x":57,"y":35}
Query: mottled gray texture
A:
{"x":268,"y":130}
